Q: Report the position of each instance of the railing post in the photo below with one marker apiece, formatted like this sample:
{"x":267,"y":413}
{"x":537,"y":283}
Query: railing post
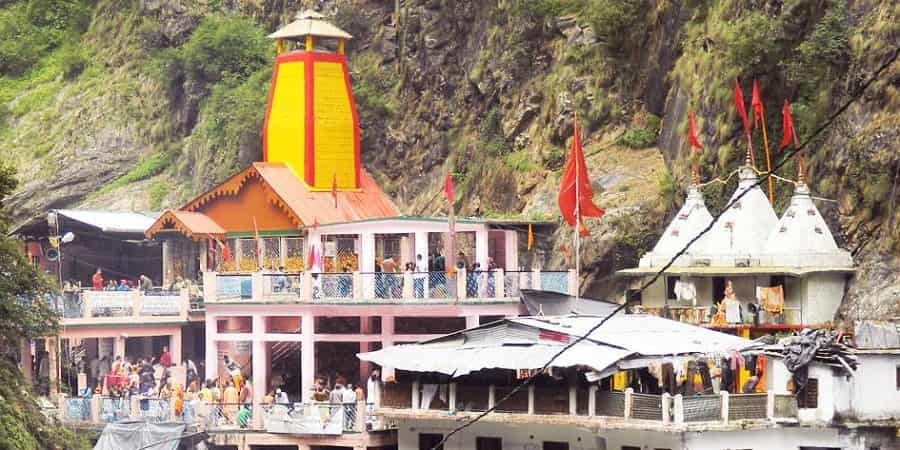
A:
{"x":357,"y":285}
{"x":461,"y":285}
{"x":492,"y":396}
{"x":135,"y":406}
{"x":209,"y":286}
{"x":256,"y":286}
{"x":306,"y":286}
{"x":87,"y":305}
{"x":61,"y":406}
{"x":573,"y":401}
{"x":135,"y":303}
{"x":592,"y":401}
{"x":679,"y":409}
{"x":82,"y":382}
{"x":724,"y":406}
{"x":452,"y":398}
{"x":629,"y":402}
{"x":531,"y":399}
{"x":416,"y":403}
{"x":770,"y":405}
{"x":361,"y":415}
{"x":666,"y":408}
{"x":499,"y":284}
{"x":407,"y":285}
{"x":573,"y":282}
{"x":96,"y":401}
{"x":536,"y":279}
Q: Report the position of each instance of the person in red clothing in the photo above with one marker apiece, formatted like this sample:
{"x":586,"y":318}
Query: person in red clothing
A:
{"x":165,"y":359}
{"x":97,"y":280}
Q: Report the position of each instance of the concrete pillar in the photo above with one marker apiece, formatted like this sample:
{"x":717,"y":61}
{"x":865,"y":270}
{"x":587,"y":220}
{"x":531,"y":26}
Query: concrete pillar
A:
{"x":357,"y":286}
{"x":481,"y":247}
{"x":492,"y":396}
{"x":416,"y":396}
{"x":82,"y":382}
{"x":592,"y":401}
{"x":666,"y":407}
{"x":408,"y":285}
{"x":307,"y":353}
{"x":209,"y":286}
{"x":202,"y":250}
{"x":387,"y":340}
{"x":461,"y":283}
{"x":96,"y":402}
{"x":27,"y":360}
{"x":770,"y":405}
{"x":573,"y":400}
{"x":260,"y":368}
{"x":452,"y":397}
{"x":678,"y":417}
{"x":174,"y":346}
{"x":629,"y":402}
{"x":536,"y":279}
{"x":306,"y":290}
{"x":421,"y":245}
{"x":119,"y":347}
{"x":725,"y":402}
{"x":499,"y":284}
{"x":256,"y":286}
{"x":212,"y":360}
{"x":530,"y":399}
{"x":53,"y":358}
{"x":360,"y":424}
{"x":135,"y":406}
{"x":367,"y":252}
{"x":573,"y":282}
{"x":511,"y":244}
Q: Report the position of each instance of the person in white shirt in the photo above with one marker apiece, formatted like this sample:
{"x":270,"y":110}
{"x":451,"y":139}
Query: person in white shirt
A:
{"x":419,"y":276}
{"x":372,"y":388}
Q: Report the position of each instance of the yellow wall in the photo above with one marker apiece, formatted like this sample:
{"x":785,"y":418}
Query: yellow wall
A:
{"x":285,"y":135}
{"x":334,"y":128}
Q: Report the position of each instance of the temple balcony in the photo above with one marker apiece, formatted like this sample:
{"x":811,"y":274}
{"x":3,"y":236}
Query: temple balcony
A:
{"x":349,"y":288}
{"x":586,"y":406}
{"x":87,"y":308}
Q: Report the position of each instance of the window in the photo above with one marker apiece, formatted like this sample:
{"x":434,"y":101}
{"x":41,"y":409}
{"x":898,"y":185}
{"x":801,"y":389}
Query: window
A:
{"x":551,"y":445}
{"x":488,"y":443}
{"x":808,"y":397}
{"x":428,"y":441}
{"x":670,"y":288}
{"x":718,"y":290}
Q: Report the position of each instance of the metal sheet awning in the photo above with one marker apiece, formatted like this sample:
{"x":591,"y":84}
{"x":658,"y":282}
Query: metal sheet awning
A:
{"x":111,"y":221}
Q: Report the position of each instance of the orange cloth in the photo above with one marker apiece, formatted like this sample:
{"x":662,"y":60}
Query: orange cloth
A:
{"x":772,"y":299}
{"x":761,"y":373}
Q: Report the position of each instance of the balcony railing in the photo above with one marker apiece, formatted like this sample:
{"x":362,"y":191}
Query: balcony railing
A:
{"x":119,"y":306}
{"x":588,"y":402}
{"x":380,"y":286}
{"x":702,"y":315}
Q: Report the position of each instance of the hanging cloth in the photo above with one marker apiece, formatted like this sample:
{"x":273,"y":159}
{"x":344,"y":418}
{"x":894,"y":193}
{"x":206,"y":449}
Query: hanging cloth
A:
{"x":686,"y":291}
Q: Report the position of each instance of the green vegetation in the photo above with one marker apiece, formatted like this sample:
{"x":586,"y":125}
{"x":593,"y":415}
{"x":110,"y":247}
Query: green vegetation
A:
{"x":641,"y":137}
{"x":158,"y":192}
{"x":29,"y":30}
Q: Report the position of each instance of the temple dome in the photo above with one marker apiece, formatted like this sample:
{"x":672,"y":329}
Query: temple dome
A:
{"x":692,"y":218}
{"x":802,"y":237}
{"x":742,"y":230}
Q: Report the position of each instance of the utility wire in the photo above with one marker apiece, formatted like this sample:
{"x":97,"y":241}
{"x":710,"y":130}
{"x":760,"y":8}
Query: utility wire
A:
{"x":787,"y":157}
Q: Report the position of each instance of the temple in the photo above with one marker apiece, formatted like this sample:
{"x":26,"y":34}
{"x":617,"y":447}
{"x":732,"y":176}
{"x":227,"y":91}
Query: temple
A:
{"x":752,"y":273}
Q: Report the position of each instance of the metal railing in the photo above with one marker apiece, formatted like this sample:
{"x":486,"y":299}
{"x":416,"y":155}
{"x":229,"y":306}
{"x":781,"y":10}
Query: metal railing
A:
{"x":610,"y":404}
{"x":113,"y":409}
{"x":702,"y":408}
{"x":332,"y":285}
{"x":107,"y":305}
{"x":747,"y":406}
{"x":234,"y":286}
{"x":76,"y":410}
{"x":555,"y":281}
{"x":646,"y":406}
{"x":514,"y":281}
{"x":155,"y":409}
{"x":551,"y":400}
{"x":282,"y":283}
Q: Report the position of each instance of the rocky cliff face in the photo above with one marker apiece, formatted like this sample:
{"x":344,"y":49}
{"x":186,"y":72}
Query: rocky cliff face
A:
{"x":168,"y":99}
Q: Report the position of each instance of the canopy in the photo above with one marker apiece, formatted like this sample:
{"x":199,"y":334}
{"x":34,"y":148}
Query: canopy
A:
{"x":139,"y":434}
{"x":549,"y":303}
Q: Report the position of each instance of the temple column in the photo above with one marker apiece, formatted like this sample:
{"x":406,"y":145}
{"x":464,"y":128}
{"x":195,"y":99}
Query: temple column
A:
{"x":481,"y":247}
{"x":367,"y":263}
{"x":119,"y":347}
{"x":212,"y":361}
{"x":167,"y":260}
{"x":53,"y":360}
{"x":174,"y":346}
{"x":307,"y":353}
{"x":511,"y":244}
{"x":260,"y":367}
{"x":365,"y":367}
{"x":387,"y":340}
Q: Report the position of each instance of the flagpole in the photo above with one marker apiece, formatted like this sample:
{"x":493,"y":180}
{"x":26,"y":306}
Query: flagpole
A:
{"x":768,"y":160}
{"x":577,"y":217}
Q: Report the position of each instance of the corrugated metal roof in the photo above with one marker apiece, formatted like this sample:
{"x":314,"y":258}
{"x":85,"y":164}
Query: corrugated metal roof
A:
{"x":623,"y":336}
{"x":111,"y":221}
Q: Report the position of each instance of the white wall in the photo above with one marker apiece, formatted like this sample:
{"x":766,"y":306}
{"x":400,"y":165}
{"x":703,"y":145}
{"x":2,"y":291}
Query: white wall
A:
{"x":872,"y":392}
{"x":824,"y":292}
{"x":768,"y":439}
{"x":531,"y":436}
{"x":828,"y":385}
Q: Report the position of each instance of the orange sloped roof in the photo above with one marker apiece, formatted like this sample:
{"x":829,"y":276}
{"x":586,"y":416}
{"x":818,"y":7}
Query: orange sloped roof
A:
{"x":369,"y":202}
{"x":191,"y":224}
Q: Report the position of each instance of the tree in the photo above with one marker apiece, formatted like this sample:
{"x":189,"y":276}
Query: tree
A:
{"x":25,"y":312}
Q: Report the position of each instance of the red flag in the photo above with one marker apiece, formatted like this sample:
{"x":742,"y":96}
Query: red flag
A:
{"x":311,"y":257}
{"x":787,"y":127}
{"x":334,"y":189}
{"x":226,"y":253}
{"x":739,"y":106}
{"x":583,"y":196}
{"x":448,"y":188}
{"x":210,"y":254}
{"x":756,"y":104}
{"x":692,"y":132}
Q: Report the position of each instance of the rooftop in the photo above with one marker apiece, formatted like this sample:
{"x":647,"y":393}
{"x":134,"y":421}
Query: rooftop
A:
{"x":310,"y":23}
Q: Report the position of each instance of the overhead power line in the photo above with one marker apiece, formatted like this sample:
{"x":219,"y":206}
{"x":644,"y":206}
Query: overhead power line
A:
{"x":786,"y":158}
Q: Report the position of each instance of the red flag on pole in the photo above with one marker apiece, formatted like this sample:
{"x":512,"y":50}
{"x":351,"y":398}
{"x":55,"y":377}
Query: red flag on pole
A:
{"x":311,"y":257}
{"x":756,"y":104}
{"x":787,"y":127}
{"x":581,"y":198}
{"x":739,"y":106}
{"x":692,"y":132}
{"x":448,"y":188}
{"x":334,"y":189}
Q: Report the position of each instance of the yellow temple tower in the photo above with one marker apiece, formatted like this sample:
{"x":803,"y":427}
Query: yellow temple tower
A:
{"x":311,"y":122}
